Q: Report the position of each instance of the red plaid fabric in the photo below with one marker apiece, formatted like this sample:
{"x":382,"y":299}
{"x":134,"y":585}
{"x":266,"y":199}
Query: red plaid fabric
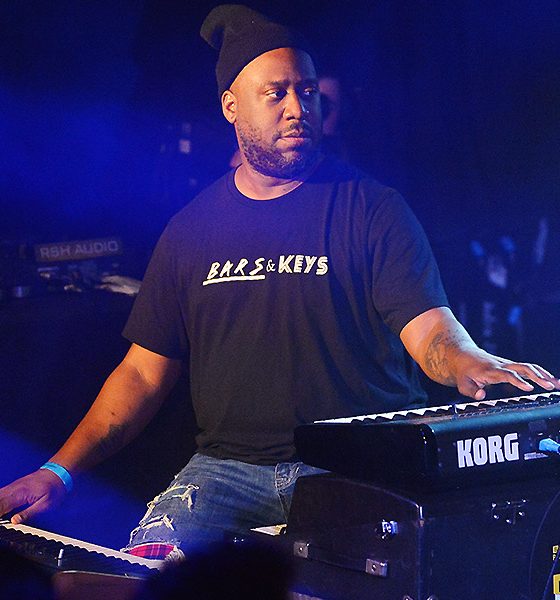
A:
{"x":153,"y":550}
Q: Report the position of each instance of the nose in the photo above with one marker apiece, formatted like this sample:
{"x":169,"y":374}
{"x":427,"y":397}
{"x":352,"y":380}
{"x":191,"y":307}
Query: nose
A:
{"x":295,"y":107}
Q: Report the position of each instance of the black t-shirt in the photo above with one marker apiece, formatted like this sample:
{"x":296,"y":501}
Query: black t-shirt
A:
{"x":288,"y":310}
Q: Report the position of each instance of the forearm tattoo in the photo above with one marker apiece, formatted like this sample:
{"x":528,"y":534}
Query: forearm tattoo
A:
{"x":113,"y":441}
{"x":437,"y":356}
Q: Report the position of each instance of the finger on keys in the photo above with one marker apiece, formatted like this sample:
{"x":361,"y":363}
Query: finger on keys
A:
{"x":535,"y":374}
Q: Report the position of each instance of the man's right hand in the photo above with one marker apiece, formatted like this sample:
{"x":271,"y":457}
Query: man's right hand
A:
{"x":35,"y":493}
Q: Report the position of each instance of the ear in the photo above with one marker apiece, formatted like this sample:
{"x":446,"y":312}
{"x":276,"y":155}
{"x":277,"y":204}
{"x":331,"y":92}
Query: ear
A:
{"x":229,"y":106}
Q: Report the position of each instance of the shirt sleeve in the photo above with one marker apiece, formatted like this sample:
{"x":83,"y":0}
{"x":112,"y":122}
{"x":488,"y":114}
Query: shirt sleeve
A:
{"x":156,"y":321}
{"x":405,"y":278}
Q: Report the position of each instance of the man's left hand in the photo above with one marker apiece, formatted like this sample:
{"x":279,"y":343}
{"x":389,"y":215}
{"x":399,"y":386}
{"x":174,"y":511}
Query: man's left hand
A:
{"x":475,"y":369}
{"x":448,"y":355}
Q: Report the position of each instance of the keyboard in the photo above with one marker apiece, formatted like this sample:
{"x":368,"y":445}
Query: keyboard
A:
{"x":457,"y":444}
{"x":61,"y":553}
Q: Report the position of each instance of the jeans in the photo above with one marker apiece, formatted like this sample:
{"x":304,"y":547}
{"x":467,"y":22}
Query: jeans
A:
{"x":211,"y":498}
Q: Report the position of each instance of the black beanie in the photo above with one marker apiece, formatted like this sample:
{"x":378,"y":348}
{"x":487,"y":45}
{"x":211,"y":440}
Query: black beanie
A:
{"x":241,"y":34}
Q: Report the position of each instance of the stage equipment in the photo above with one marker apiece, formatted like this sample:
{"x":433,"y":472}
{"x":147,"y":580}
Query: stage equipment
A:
{"x":61,"y":553}
{"x":455,"y":502}
{"x":441,"y":447}
{"x":354,"y":540}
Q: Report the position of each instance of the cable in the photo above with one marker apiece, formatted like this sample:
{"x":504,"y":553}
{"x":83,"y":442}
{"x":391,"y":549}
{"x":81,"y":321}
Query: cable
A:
{"x":549,"y":445}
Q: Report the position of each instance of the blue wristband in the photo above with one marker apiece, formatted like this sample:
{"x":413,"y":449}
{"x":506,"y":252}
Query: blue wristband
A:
{"x":64,"y":475}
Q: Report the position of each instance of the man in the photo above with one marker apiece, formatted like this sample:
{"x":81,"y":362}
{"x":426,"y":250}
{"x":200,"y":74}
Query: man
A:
{"x":286,"y":287}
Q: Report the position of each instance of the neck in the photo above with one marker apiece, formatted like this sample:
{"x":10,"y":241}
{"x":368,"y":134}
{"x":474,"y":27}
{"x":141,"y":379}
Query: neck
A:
{"x":256,"y":185}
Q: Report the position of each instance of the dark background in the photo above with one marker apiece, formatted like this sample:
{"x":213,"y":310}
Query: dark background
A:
{"x":455,"y":104}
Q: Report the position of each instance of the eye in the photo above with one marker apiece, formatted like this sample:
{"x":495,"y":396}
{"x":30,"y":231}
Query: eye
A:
{"x":276,"y":94}
{"x":310,"y":91}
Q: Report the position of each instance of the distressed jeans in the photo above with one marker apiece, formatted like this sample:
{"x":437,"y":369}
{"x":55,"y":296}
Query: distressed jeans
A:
{"x":211,"y":498}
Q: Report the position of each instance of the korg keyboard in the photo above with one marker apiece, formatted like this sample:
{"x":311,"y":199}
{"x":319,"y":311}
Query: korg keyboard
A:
{"x":444,"y":446}
{"x":61,"y":553}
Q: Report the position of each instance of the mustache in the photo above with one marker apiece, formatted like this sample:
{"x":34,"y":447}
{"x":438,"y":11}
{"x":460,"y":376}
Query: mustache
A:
{"x":302,"y":129}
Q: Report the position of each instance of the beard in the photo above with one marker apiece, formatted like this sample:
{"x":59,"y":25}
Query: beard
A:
{"x":267,"y":159}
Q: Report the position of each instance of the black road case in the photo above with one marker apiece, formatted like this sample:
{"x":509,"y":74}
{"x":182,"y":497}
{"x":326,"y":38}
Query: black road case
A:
{"x":354,"y":540}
